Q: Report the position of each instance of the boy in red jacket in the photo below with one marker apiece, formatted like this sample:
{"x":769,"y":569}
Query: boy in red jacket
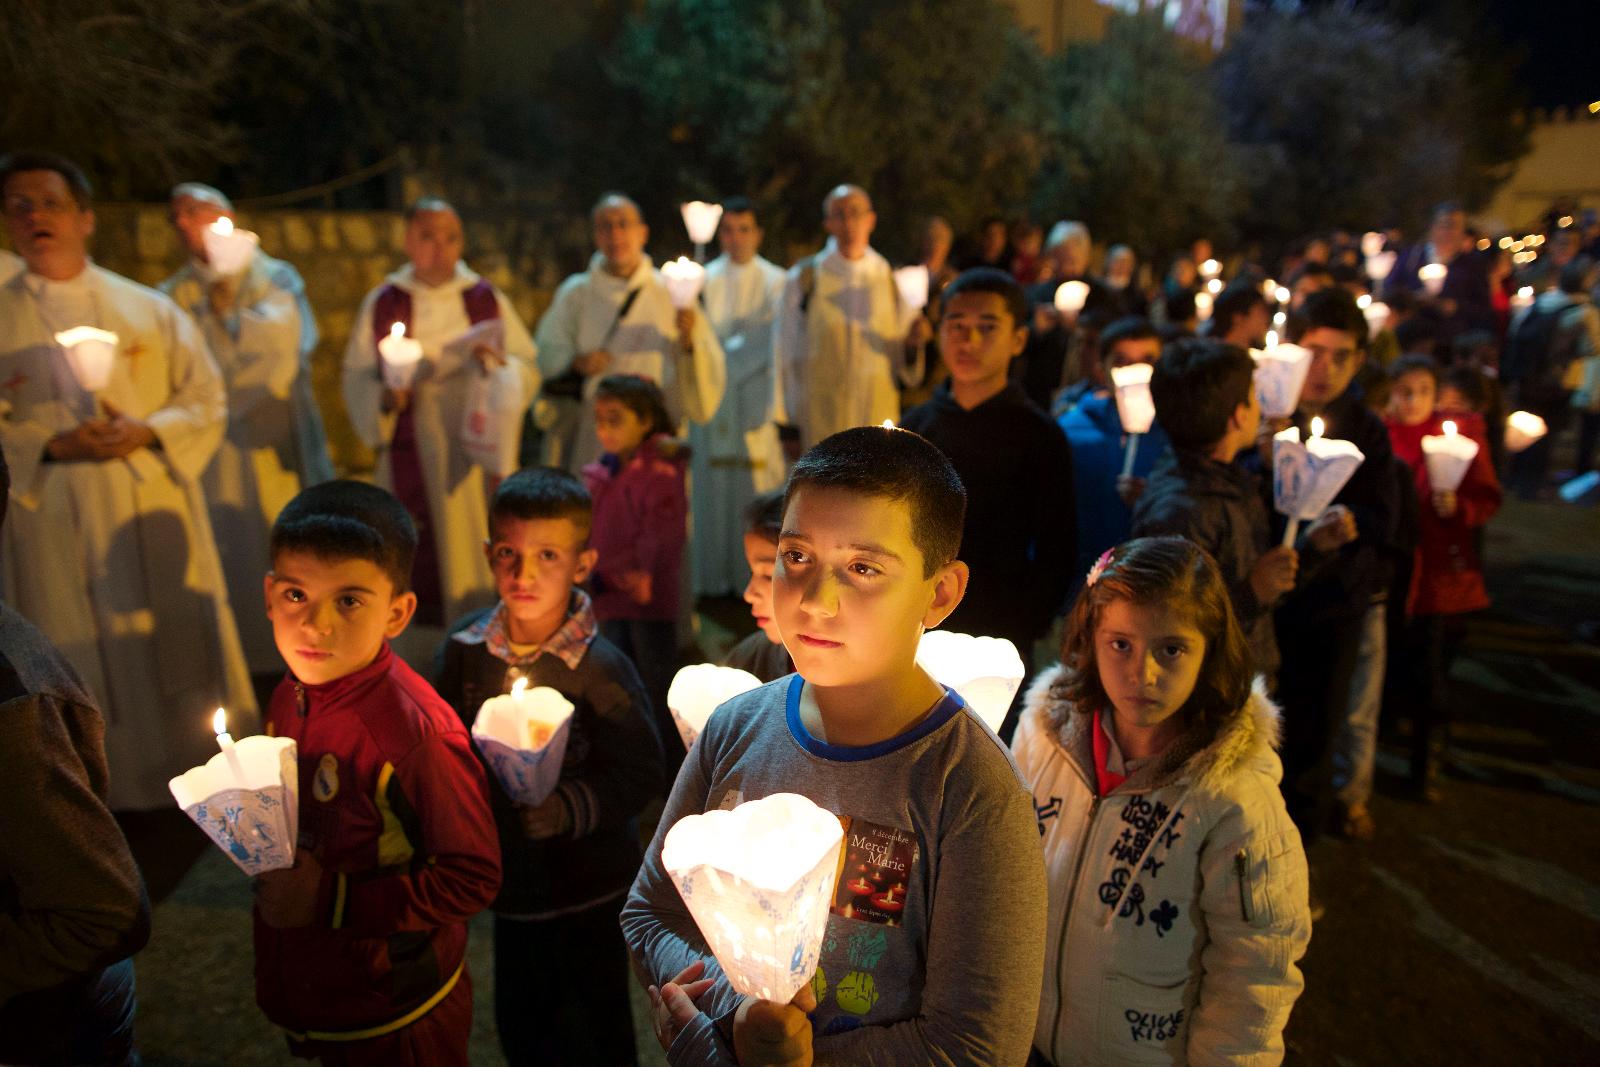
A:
{"x":360,"y":947}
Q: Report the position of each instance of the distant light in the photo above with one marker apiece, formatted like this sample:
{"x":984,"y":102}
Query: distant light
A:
{"x":1594,"y":108}
{"x":1279,"y":319}
{"x":1364,"y":301}
{"x":1283,"y":295}
{"x":1505,"y":242}
{"x":1214,"y":285}
{"x":1483,"y":244}
{"x":1566,"y":220}
{"x":1516,"y":246}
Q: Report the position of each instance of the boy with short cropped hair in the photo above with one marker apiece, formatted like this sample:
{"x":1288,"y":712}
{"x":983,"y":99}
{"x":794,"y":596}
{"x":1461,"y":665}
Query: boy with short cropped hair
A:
{"x":361,"y":946}
{"x":1013,"y":460}
{"x":568,"y":862}
{"x":1205,"y":397}
{"x":762,"y":653}
{"x":866,"y":562}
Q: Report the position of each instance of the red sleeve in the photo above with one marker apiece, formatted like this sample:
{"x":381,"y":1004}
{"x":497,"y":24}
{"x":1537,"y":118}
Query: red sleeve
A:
{"x":438,"y":797}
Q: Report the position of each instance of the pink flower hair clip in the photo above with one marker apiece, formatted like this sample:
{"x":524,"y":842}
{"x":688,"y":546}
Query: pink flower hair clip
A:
{"x":1099,"y":568}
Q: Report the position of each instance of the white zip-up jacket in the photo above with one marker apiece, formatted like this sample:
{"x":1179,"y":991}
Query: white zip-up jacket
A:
{"x":1178,"y":902}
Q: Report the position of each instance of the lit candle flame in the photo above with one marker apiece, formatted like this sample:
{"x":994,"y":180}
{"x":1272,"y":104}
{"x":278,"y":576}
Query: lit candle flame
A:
{"x":397,"y":330}
{"x":219,"y":722}
{"x":1317,"y":427}
{"x":888,"y":424}
{"x":1449,"y":428}
{"x":223,"y":226}
{"x":519,"y":686}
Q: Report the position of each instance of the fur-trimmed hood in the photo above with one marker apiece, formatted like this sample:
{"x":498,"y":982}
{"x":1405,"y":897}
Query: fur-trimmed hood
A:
{"x":1247,"y":739}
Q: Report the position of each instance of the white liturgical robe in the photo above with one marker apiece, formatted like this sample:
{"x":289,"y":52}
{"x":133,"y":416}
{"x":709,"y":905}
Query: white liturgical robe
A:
{"x":457,"y":490}
{"x":736,"y":455}
{"x":275,"y":443}
{"x":841,"y":345}
{"x":115,"y":560}
{"x":587,"y":314}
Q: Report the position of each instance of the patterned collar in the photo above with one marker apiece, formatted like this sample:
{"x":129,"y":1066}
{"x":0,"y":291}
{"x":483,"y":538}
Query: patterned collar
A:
{"x":567,"y":644}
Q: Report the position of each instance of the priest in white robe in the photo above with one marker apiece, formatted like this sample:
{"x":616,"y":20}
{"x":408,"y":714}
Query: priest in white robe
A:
{"x":260,"y":329}
{"x":107,"y":547}
{"x":473,"y":347}
{"x":736,"y":456}
{"x":616,"y":318}
{"x":845,"y":344}
{"x":10,"y":265}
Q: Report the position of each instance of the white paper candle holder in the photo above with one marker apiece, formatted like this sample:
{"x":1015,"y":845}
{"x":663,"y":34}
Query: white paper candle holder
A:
{"x":1280,"y":375}
{"x":986,"y":671}
{"x":1523,"y":428}
{"x":401,"y":354}
{"x":1377,"y":315}
{"x":698,"y":690}
{"x":1135,"y":406}
{"x":1307,"y":476}
{"x":684,"y":279}
{"x":1372,"y":243}
{"x":229,"y":249}
{"x":912,"y":282}
{"x":247,"y":800}
{"x":90,"y":354}
{"x":1448,"y":456}
{"x":523,"y":737}
{"x":1379,"y":264}
{"x":701,"y":219}
{"x":1070,"y":297}
{"x":759,"y":881}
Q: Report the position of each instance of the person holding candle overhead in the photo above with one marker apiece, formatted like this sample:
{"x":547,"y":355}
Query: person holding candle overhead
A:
{"x":937,"y":964}
{"x":361,"y":945}
{"x":76,"y":910}
{"x":1321,"y":623}
{"x":1018,"y":538}
{"x":466,"y":327}
{"x":568,"y":862}
{"x":617,"y":317}
{"x":109,"y":549}
{"x":736,"y":456}
{"x":844,"y":345}
{"x":260,"y":329}
{"x":1447,"y":574}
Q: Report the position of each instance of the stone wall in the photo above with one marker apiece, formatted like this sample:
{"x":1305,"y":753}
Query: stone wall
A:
{"x":1564,"y":146}
{"x":342,"y":255}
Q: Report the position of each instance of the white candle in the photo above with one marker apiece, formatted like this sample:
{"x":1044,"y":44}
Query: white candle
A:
{"x":1523,"y":298}
{"x":1433,"y":275}
{"x":1523,"y":428}
{"x":228,"y":249}
{"x":1379,"y":265}
{"x":912,"y":282}
{"x":523,"y":737}
{"x":1448,"y":457}
{"x":245,"y":798}
{"x":700,"y":689}
{"x":701,"y":219}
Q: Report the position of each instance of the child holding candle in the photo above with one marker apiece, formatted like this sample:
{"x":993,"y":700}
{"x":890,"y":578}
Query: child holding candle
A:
{"x":361,"y":946}
{"x":1447,"y":574}
{"x":1178,"y":885}
{"x":568,"y":862}
{"x":1205,"y":398}
{"x":641,"y":511}
{"x":941,"y":961}
{"x":762,"y":653}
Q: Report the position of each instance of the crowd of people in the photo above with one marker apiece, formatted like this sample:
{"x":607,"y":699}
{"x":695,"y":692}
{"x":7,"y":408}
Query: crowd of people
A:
{"x":1205,"y":686}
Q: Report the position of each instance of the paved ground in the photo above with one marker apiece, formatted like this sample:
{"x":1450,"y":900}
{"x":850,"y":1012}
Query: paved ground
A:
{"x":1467,"y":932}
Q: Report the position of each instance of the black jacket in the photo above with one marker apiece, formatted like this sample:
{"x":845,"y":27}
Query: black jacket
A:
{"x":613,"y":767}
{"x":1020,"y":534}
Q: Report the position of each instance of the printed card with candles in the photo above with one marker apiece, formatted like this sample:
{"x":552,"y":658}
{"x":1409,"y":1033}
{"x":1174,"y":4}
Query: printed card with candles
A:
{"x":878,"y":861}
{"x":523,"y":737}
{"x":246,"y":798}
{"x":699,"y":689}
{"x":1280,"y":375}
{"x":759,"y":880}
{"x":1448,"y":457}
{"x":1306,"y":477}
{"x":986,"y":671}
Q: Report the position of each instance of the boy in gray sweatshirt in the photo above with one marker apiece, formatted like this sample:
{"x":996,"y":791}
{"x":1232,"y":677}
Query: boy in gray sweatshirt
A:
{"x":934,"y":950}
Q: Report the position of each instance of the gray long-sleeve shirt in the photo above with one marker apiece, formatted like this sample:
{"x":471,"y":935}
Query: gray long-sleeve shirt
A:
{"x":940,"y":815}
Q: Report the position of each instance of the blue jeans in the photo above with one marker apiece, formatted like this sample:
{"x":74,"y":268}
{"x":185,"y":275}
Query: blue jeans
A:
{"x":89,"y":1020}
{"x":1357,"y":746}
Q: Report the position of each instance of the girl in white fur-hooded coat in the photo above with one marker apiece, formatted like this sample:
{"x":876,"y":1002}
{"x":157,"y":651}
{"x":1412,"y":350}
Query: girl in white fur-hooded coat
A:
{"x":1178,"y":888}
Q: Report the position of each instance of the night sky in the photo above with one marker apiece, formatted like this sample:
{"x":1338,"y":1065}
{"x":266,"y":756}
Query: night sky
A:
{"x":1561,"y":38}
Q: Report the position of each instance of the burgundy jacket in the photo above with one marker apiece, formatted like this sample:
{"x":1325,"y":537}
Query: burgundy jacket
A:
{"x":640,"y":512}
{"x":1447,"y":576}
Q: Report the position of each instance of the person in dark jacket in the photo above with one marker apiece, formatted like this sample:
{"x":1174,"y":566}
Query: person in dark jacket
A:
{"x":1319,"y":625}
{"x":1464,"y":300}
{"x":1205,"y":400}
{"x":561,"y":969}
{"x":73,"y":909}
{"x":1106,"y":496}
{"x":1013,"y":460}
